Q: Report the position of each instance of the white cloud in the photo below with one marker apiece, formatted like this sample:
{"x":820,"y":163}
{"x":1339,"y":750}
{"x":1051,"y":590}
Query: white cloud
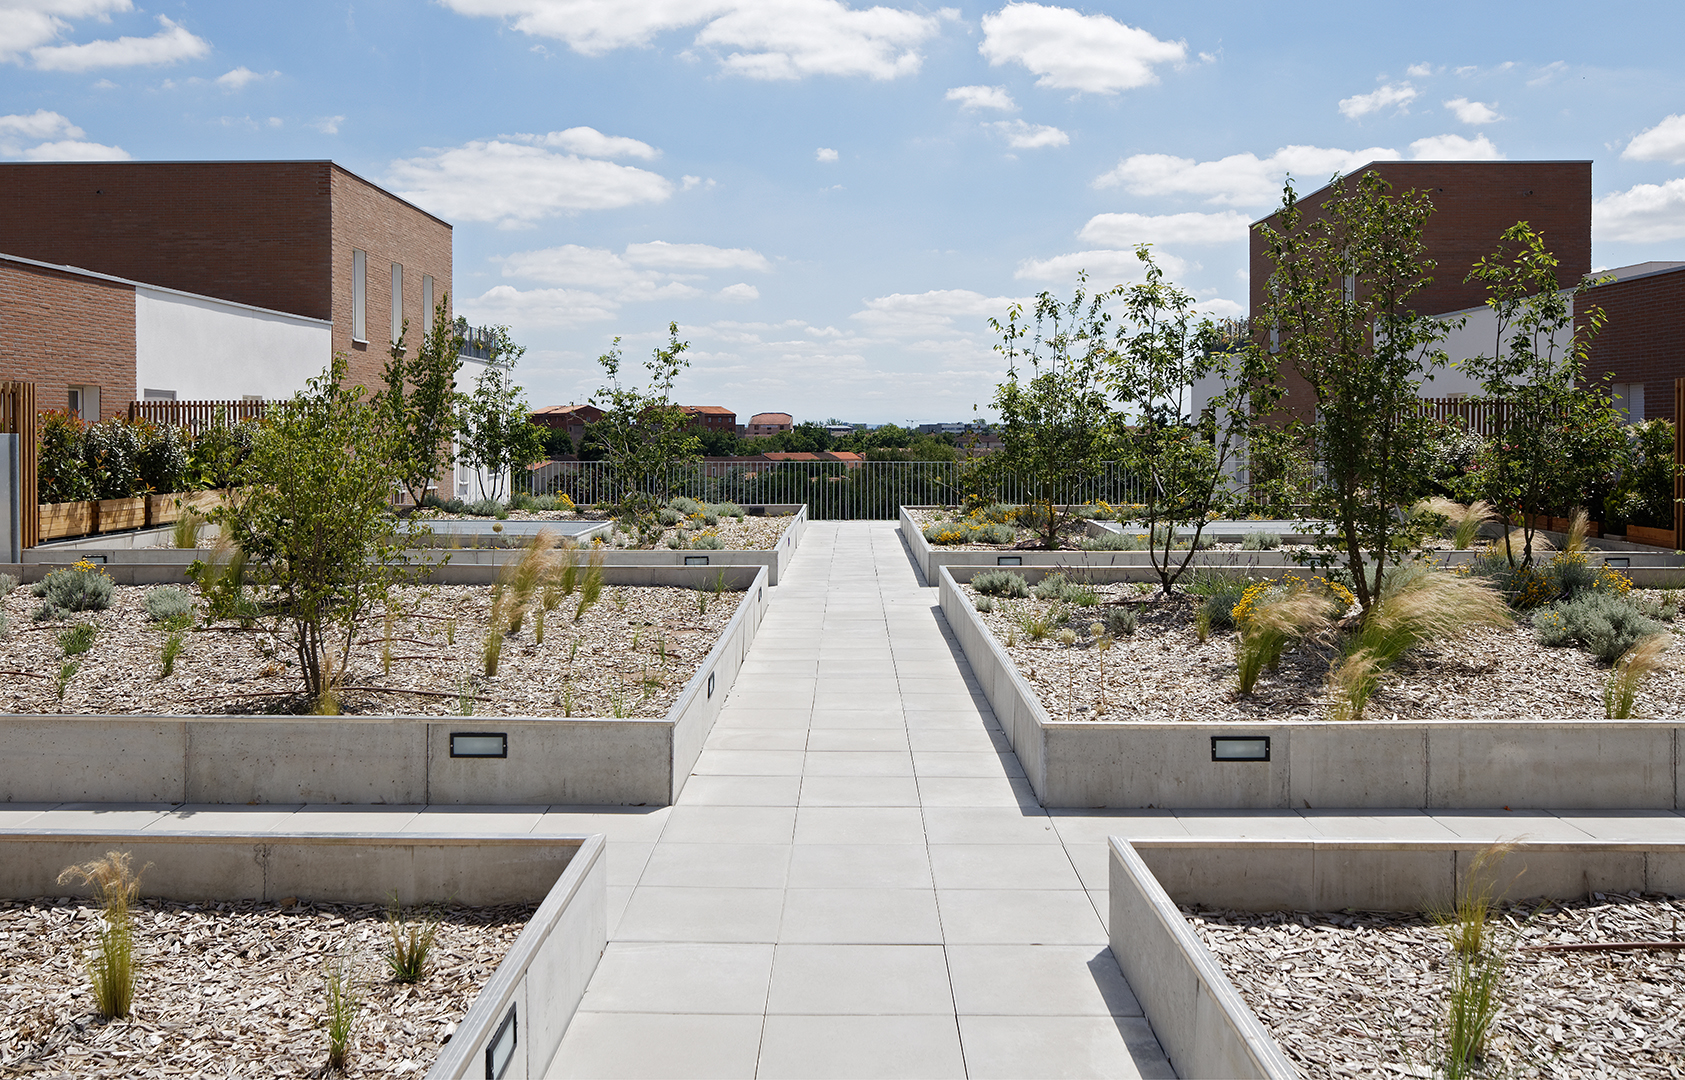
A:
{"x":1093,"y":54}
{"x":1361,"y":105}
{"x":1419,"y":71}
{"x":1547,"y":73}
{"x":1645,"y":212}
{"x":695,"y":257}
{"x":1664,"y":142}
{"x":55,"y":139}
{"x":1239,"y":179}
{"x":1219,"y":308}
{"x":169,"y":45}
{"x":937,"y":312}
{"x":1105,"y":267}
{"x":825,"y":154}
{"x":739,"y":292}
{"x":328,"y":125}
{"x":26,"y":24}
{"x":1124,"y":231}
{"x":516,"y":185}
{"x":1024,"y":136}
{"x":241,"y":77}
{"x":1473,"y":112}
{"x":1454,"y":148}
{"x":786,"y":39}
{"x":982,"y":97}
{"x":589,"y":142}
{"x":538,"y":308}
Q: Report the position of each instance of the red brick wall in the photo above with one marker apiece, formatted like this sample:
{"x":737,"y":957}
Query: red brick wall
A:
{"x":255,"y":232}
{"x":1643,"y":339}
{"x":60,"y":330}
{"x":390,"y":231}
{"x":1474,"y":202}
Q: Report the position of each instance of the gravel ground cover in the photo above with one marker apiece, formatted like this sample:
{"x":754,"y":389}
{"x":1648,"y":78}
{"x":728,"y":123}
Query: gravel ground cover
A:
{"x":630,"y":655}
{"x":1164,"y":672}
{"x":749,"y":534}
{"x":1363,"y":993}
{"x":234,"y":989}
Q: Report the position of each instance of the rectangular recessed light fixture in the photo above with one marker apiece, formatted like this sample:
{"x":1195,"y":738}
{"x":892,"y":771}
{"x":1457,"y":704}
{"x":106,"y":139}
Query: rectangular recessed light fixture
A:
{"x":479,"y":744}
{"x":1010,"y":560}
{"x":501,"y":1050}
{"x":1240,"y":748}
{"x":696,"y":560}
{"x":1620,"y":563}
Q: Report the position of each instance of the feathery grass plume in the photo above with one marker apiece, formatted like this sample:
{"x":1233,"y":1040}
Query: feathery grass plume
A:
{"x":407,"y":953}
{"x":561,"y":576}
{"x":1271,"y":622}
{"x":185,"y":532}
{"x":1579,"y":526}
{"x":525,"y":576}
{"x":340,"y":989}
{"x":327,"y":702}
{"x":1102,"y":642}
{"x":492,"y":650}
{"x":1463,"y":521}
{"x":1479,"y":959}
{"x":1518,"y":537}
{"x":172,"y":649}
{"x":111,"y":964}
{"x":590,"y":585}
{"x":1417,"y":605}
{"x":386,"y":641}
{"x":1638,"y":663}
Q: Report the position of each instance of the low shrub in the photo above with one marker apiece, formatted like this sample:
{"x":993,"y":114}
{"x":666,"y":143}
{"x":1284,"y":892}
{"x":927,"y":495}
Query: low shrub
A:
{"x":1037,"y":625}
{"x":684,"y":505}
{"x":1217,"y":592}
{"x":984,"y":604}
{"x":1121,"y":621}
{"x":78,"y":639}
{"x":1000,"y":583}
{"x":1604,"y":625}
{"x":485,"y":508}
{"x":1116,"y":541}
{"x":1260,"y":541}
{"x":82,"y":587}
{"x":168,"y":603}
{"x":1058,"y":587}
{"x":668,"y":516}
{"x":708,"y":542}
{"x":969,"y":532}
{"x":727,"y":509}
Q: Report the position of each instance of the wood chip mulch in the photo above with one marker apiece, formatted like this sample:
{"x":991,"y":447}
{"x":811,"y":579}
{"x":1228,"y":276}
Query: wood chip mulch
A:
{"x":234,"y":989}
{"x":1363,"y":993}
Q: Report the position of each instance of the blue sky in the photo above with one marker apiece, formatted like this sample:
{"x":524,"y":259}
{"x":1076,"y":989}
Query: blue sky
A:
{"x":830,"y":198}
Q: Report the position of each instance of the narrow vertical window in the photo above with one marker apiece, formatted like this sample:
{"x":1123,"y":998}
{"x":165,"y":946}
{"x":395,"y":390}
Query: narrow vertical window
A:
{"x":397,"y":302}
{"x":427,"y":299}
{"x":359,"y":296}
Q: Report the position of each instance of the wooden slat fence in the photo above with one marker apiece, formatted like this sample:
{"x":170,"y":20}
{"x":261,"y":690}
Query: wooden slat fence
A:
{"x":196,"y":416}
{"x":1480,"y":417}
{"x":18,"y":417}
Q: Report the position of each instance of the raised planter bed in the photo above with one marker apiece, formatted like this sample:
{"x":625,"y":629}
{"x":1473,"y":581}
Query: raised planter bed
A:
{"x":548,"y":755}
{"x":1317,"y":763}
{"x":1640,"y":534}
{"x":65,"y":520}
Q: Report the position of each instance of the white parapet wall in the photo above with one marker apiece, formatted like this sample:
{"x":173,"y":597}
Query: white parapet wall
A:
{"x":377,"y":759}
{"x":202,"y":349}
{"x":1591,"y":764}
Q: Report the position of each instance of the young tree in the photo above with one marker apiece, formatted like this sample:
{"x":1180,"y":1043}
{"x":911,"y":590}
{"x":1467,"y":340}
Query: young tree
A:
{"x":311,"y":520}
{"x":1057,"y":427}
{"x":1339,"y":304}
{"x":1554,"y":436}
{"x":418,"y":404}
{"x":645,"y":437}
{"x":1186,"y":462}
{"x":498,"y":435}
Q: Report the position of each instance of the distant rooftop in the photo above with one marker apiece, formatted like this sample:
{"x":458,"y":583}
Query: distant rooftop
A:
{"x":1643,"y":269}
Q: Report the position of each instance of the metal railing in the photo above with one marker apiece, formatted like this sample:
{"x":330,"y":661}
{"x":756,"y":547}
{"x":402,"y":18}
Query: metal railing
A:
{"x":477,"y":341}
{"x":832,"y":490}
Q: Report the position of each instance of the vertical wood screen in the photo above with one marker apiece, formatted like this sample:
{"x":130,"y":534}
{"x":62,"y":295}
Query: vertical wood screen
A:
{"x":18,"y":417}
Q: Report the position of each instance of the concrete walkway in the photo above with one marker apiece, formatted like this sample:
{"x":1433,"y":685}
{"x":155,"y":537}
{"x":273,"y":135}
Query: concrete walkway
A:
{"x":857,"y":880}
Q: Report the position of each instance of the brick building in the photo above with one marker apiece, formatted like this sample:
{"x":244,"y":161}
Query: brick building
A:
{"x":303,"y":237}
{"x":767,"y":423}
{"x":570,"y":418}
{"x":1641,"y":348}
{"x":710,"y":417}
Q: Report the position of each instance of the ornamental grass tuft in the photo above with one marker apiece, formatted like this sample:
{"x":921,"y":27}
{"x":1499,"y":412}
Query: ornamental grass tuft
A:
{"x":111,"y":963}
{"x":1635,"y":665}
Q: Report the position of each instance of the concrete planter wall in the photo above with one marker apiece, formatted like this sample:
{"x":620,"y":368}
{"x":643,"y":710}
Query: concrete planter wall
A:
{"x":1422,"y":764}
{"x":349,"y":759}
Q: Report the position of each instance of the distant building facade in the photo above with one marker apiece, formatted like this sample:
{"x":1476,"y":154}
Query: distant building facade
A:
{"x":710,"y":417}
{"x":767,"y":423}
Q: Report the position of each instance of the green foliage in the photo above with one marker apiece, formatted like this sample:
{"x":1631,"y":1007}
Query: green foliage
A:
{"x":498,"y":437}
{"x":219,"y":451}
{"x":1218,"y":591}
{"x":645,"y":435}
{"x":418,"y":403}
{"x":1121,"y":621}
{"x":1607,"y":626}
{"x":1056,"y":426}
{"x":61,"y":469}
{"x":969,"y":531}
{"x":164,"y":463}
{"x":1000,"y":583}
{"x":983,"y":604}
{"x":1058,"y":587}
{"x":82,"y":587}
{"x":1555,"y":432}
{"x":168,"y":603}
{"x":410,"y":943}
{"x":1644,"y":494}
{"x":591,"y":584}
{"x":1260,"y":541}
{"x":1184,"y":461}
{"x":707,"y":542}
{"x":311,"y":522}
{"x":1276,"y":616}
{"x":78,"y":639}
{"x":1480,"y":954}
{"x":341,"y":1001}
{"x":167,"y":657}
{"x":111,"y":963}
{"x":1116,"y":541}
{"x":1340,"y":302}
{"x":184,"y":533}
{"x":112,"y":449}
{"x":1037,"y":624}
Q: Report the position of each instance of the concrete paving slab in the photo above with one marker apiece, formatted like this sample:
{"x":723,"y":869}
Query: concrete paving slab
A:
{"x":1019,"y":917}
{"x":1632,"y":826}
{"x":631,"y":823}
{"x":971,"y":763}
{"x":861,"y":917}
{"x":749,"y":866}
{"x":988,"y":825}
{"x":729,"y":825}
{"x":860,"y":1048}
{"x":859,"y":825}
{"x":859,"y":763}
{"x":695,"y":914}
{"x":14,"y":815}
{"x":1002,"y":866}
{"x":857,"y":740}
{"x":749,"y":763}
{"x":216,"y":817}
{"x":626,"y":862}
{"x":681,"y":977}
{"x":1008,"y":1047}
{"x":100,"y":816}
{"x":1094,"y":826}
{"x":658,"y":1046}
{"x":1039,"y":980}
{"x":860,"y":866}
{"x":791,"y":738}
{"x":743,"y":790}
{"x":860,"y":791}
{"x":476,"y":820}
{"x":994,"y":791}
{"x":1493,"y":826}
{"x":868,"y":980}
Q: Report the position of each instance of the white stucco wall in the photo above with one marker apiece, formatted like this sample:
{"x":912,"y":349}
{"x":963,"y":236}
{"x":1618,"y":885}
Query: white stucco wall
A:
{"x":207,"y":349}
{"x":474,"y":484}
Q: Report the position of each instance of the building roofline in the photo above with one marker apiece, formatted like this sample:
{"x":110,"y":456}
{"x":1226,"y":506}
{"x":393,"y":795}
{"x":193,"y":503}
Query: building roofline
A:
{"x":133,"y":284}
{"x":1435,"y":161}
{"x":255,"y":161}
{"x":1592,"y":277}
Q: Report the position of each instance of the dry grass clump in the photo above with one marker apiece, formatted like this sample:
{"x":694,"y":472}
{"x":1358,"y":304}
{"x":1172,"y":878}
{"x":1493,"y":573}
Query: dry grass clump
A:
{"x":1637,"y":664}
{"x":1271,"y":620}
{"x":1417,"y":606}
{"x":1463,"y":520}
{"x":1480,"y":955}
{"x":111,"y":963}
